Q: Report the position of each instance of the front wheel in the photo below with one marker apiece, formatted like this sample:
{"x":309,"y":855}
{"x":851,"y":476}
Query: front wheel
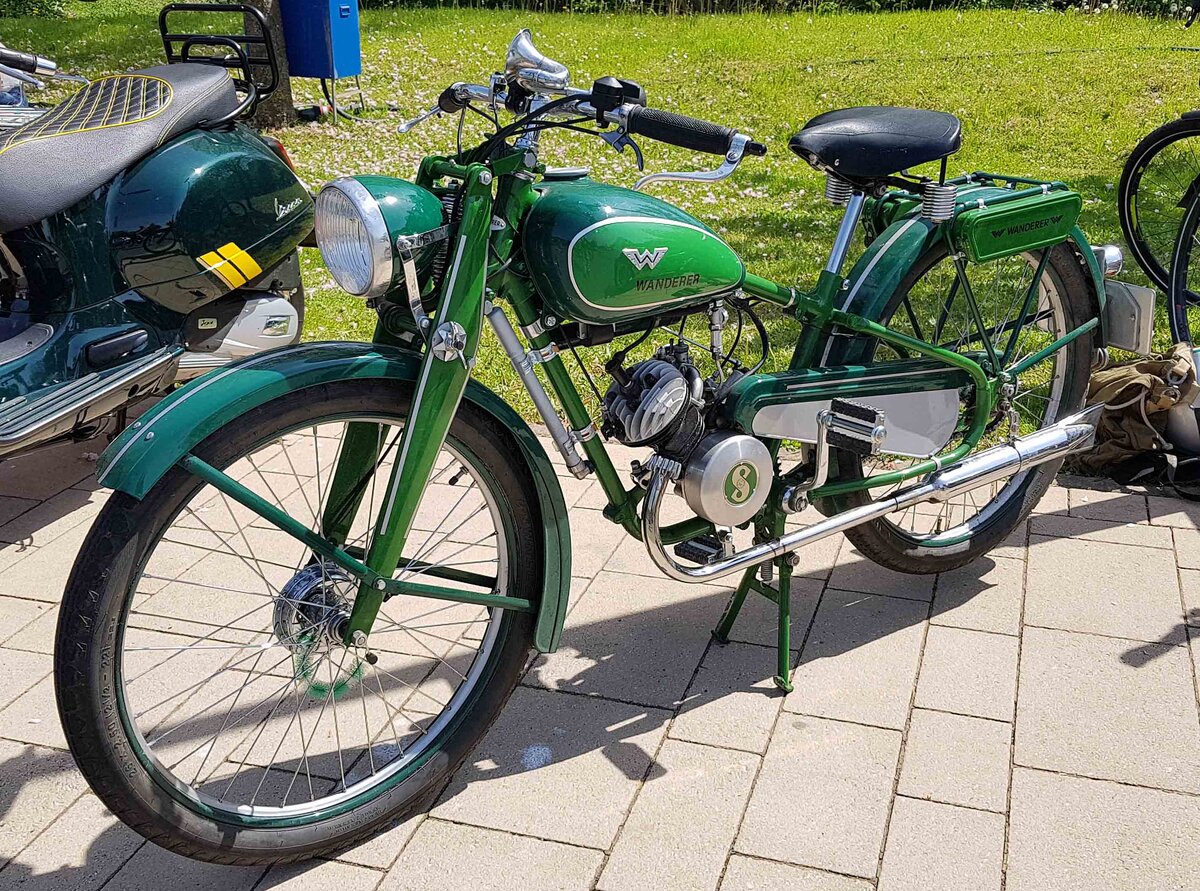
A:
{"x":930,"y":304}
{"x":202,"y":681}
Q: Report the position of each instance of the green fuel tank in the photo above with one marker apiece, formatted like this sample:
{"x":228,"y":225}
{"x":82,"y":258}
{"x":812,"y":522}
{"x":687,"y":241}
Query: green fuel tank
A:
{"x":603,"y":254}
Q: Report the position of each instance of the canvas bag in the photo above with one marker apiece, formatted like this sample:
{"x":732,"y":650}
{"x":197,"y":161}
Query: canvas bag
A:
{"x":1131,"y":443}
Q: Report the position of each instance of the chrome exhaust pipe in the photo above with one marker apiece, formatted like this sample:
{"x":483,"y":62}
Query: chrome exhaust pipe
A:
{"x":1072,"y":434}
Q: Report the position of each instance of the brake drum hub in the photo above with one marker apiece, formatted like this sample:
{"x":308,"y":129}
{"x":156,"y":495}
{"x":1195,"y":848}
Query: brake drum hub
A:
{"x":309,"y":619}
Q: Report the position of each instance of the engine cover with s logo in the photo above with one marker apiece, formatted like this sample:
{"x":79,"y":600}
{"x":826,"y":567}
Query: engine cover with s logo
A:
{"x":603,"y":254}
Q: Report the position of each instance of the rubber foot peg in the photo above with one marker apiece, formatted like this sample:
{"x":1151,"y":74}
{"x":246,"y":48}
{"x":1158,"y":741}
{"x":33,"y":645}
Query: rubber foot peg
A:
{"x":851,"y":409}
{"x":702,"y":550}
{"x":783,"y":683}
{"x":851,"y":444}
{"x":719,"y":638}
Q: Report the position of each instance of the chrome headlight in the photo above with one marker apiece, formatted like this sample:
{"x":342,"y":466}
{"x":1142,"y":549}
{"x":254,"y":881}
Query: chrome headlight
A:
{"x":353,"y":238}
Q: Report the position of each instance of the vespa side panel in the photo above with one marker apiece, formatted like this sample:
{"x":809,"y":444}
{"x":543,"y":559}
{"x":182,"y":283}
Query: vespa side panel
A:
{"x":604,"y":254}
{"x":205,"y":214}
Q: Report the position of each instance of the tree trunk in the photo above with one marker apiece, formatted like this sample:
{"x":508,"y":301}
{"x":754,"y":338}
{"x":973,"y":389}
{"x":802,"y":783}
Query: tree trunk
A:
{"x":277,"y":110}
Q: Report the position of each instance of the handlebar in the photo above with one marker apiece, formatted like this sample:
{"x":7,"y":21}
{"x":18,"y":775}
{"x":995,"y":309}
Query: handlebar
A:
{"x":684,"y":131}
{"x":665,"y":126}
{"x":27,"y":62}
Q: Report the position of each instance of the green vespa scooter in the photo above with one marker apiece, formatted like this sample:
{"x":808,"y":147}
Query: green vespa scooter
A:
{"x":323,"y":570}
{"x":146,"y":236}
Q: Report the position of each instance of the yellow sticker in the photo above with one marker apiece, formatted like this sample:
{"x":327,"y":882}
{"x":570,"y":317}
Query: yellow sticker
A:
{"x":230,"y":264}
{"x":239,"y":258}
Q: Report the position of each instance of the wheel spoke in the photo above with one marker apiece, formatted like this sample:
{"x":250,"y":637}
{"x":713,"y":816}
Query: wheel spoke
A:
{"x":232,"y":673}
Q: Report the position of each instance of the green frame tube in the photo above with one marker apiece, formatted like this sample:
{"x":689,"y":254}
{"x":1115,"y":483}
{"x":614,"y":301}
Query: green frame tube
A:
{"x":484,"y":245}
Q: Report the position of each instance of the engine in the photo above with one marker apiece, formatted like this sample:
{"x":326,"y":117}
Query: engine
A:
{"x":663,"y":403}
{"x":657,"y":403}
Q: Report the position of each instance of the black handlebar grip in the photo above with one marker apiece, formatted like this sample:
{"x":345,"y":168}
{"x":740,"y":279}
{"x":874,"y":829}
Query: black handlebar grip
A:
{"x":27,"y":62}
{"x":680,"y":130}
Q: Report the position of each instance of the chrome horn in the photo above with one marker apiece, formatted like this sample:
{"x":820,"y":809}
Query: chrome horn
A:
{"x":526,"y":66}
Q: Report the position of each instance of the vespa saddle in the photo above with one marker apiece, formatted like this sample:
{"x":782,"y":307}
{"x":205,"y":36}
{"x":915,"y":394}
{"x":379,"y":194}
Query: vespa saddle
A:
{"x":75,"y":148}
{"x":872,"y":142}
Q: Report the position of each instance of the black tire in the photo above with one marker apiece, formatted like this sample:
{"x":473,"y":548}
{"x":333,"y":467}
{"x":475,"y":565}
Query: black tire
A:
{"x":1183,"y":303}
{"x":880,"y":540}
{"x":1151,"y":246}
{"x":95,"y":606}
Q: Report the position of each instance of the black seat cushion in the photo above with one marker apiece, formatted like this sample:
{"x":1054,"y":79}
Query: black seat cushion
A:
{"x":874,"y":141}
{"x":56,"y":160}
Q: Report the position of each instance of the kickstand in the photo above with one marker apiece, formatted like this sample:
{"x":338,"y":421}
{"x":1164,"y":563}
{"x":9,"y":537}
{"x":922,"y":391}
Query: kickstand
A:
{"x":121,"y":418}
{"x":778,"y":593}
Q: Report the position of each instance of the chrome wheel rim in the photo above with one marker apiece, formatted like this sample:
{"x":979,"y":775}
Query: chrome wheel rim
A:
{"x":290,"y":723}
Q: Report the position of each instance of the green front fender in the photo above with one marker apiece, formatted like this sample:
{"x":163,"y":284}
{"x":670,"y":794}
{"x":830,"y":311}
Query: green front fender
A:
{"x":889,"y":257}
{"x":138,"y":458}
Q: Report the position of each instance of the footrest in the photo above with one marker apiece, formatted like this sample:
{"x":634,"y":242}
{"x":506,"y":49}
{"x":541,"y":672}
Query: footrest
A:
{"x":702,"y":550}
{"x":56,"y":411}
{"x":855,"y":427}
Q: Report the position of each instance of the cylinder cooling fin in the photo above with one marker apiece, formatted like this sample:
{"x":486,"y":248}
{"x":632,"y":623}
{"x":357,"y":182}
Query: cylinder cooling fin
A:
{"x":655,"y":403}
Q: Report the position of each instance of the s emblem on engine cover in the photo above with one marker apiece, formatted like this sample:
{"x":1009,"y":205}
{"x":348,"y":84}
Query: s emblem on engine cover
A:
{"x":646,"y":259}
{"x":741,"y":483}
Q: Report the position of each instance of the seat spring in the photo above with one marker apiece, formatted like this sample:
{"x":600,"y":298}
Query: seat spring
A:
{"x":937,"y":201}
{"x":837,"y":191}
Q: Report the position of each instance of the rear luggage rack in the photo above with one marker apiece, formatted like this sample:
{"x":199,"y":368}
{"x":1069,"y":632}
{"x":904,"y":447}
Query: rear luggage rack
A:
{"x":179,"y":46}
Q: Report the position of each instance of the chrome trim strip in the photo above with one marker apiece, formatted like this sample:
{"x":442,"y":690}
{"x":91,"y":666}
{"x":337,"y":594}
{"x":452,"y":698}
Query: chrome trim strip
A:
{"x":866,"y":273}
{"x":426,"y":364}
{"x":881,"y":377}
{"x":218,"y":376}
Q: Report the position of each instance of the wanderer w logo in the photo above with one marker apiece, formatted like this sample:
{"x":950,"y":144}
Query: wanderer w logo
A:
{"x":645,"y":259}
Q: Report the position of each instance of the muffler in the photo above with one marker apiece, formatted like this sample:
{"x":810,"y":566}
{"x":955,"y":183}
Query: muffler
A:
{"x":1072,"y":434}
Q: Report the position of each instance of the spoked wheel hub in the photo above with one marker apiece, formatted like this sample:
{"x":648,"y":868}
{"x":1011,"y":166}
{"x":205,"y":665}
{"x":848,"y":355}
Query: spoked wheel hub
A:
{"x":310,"y":616}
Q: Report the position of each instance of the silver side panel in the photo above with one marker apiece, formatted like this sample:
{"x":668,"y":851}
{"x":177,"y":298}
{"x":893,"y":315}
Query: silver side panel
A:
{"x":918,"y":424}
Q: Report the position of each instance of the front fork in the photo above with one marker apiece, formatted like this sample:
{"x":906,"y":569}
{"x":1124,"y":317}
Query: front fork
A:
{"x":452,"y":338}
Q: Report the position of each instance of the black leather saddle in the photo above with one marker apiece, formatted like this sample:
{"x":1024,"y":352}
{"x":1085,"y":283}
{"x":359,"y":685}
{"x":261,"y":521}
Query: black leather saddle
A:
{"x":59,"y":158}
{"x":876,"y":141}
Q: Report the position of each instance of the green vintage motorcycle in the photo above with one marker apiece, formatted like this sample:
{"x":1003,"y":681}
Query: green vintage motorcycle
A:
{"x":323,"y":570}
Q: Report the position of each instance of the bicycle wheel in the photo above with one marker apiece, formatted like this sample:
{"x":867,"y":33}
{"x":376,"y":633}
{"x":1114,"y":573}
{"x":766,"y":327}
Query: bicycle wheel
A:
{"x":929,"y":305}
{"x":1183,"y":301}
{"x":202,"y":681}
{"x":1159,"y":179}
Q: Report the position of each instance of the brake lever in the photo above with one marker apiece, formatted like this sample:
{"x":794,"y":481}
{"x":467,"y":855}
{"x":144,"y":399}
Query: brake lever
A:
{"x":619,"y":139}
{"x":737,"y":151}
{"x":434,"y":112}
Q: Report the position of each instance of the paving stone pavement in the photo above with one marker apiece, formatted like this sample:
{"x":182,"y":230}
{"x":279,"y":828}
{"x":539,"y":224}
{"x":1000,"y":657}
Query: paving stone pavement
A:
{"x":1027,"y":723}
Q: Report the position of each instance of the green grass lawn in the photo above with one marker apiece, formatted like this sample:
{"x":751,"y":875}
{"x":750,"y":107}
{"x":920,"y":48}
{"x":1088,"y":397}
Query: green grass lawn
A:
{"x":1055,"y":96}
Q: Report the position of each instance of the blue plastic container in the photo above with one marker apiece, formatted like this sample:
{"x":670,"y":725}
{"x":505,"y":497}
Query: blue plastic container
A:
{"x":322,"y":37}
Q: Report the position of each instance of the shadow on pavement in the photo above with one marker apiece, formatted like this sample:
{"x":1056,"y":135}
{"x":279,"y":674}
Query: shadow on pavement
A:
{"x":577,"y":728}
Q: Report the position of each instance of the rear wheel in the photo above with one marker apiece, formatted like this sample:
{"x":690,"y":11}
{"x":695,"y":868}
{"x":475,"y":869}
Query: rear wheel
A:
{"x":930,"y":306}
{"x":202,"y":681}
{"x":1158,"y":181}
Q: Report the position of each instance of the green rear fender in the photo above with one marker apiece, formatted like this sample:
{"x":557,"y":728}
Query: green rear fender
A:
{"x":138,"y":458}
{"x":881,"y":268}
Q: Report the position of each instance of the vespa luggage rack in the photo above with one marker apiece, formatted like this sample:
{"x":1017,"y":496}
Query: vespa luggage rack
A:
{"x":240,"y":59}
